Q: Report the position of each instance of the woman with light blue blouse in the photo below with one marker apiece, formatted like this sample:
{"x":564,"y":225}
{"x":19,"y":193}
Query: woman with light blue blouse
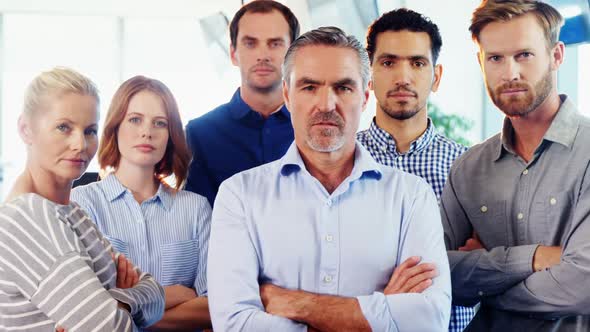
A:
{"x":162,"y":229}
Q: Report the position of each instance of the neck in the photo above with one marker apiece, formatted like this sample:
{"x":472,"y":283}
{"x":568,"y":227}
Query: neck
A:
{"x":263,"y":103}
{"x":140,"y":180}
{"x":330,"y":168}
{"x":530,"y":129}
{"x":404,"y":132}
{"x":38,"y":181}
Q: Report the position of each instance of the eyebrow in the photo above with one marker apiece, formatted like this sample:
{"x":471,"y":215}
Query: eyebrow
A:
{"x":310,"y":81}
{"x":142,"y":115}
{"x":416,"y":57}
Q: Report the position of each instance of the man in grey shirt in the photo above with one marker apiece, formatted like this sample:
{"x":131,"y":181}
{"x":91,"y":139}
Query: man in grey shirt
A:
{"x":516,"y":208}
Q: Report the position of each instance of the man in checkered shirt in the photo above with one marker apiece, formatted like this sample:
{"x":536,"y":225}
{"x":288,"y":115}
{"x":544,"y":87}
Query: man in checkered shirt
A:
{"x":403,"y":47}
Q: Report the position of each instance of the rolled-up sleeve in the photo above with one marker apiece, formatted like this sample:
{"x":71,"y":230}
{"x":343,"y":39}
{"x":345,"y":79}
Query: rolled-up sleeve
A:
{"x":479,"y":272}
{"x":422,"y":235}
{"x":145,"y":299}
{"x":233,"y":271}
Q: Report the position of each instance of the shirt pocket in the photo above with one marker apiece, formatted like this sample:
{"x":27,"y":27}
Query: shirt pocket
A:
{"x":551,"y":218}
{"x":179,"y":263}
{"x":489,"y":222}
{"x":118,"y":245}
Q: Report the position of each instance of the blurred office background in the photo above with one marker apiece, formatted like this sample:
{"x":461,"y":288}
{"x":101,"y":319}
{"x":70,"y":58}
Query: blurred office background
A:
{"x":185,"y":44}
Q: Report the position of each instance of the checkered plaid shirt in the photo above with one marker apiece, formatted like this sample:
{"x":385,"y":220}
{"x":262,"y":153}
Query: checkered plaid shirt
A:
{"x":430,"y":157}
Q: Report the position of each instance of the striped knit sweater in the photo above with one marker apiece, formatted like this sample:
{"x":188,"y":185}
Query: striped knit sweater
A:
{"x":56,"y":269}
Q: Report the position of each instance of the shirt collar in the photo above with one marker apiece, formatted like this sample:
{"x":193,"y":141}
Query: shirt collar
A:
{"x":563,"y":128}
{"x":239,"y":109}
{"x":113,"y":190}
{"x":383,"y":138}
{"x":364,"y":164}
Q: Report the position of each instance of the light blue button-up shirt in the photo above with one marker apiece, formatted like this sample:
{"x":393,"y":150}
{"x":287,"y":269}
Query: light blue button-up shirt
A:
{"x":166,"y":235}
{"x":277,"y":224}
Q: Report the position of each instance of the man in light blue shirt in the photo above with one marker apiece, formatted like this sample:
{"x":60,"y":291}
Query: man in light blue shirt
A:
{"x":326,"y":238}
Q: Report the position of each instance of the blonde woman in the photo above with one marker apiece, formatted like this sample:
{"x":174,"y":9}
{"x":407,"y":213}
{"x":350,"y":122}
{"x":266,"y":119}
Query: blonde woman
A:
{"x":56,"y":268}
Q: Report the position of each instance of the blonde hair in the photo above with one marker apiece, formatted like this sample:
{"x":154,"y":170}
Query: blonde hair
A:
{"x":55,"y":83}
{"x":490,"y":11}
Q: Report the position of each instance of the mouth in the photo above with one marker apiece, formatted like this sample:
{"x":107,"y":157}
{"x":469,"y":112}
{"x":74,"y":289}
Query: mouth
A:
{"x":145,"y":147}
{"x":510,"y":92}
{"x":75,"y":161}
{"x":401,"y":95}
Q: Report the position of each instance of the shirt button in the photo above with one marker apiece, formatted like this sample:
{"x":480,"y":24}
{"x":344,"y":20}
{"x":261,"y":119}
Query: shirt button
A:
{"x":267,"y":131}
{"x":525,"y":172}
{"x":480,"y":293}
{"x":328,"y":279}
{"x":484,"y":209}
{"x":329,"y":238}
{"x":552,"y":201}
{"x":329,"y":202}
{"x":383,"y":147}
{"x":519,"y":216}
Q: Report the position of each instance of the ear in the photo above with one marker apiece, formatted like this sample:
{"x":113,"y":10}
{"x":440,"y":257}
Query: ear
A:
{"x":286,"y":95}
{"x":232,"y":54}
{"x":24,"y":129}
{"x":371,"y":84}
{"x":479,"y":59}
{"x":438,"y":71}
{"x":557,"y":55}
{"x":366,"y":96}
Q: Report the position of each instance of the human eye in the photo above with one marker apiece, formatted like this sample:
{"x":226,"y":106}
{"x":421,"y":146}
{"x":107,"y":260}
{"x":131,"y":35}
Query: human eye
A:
{"x":63,"y":127}
{"x":343,"y":88}
{"x":495,"y":58}
{"x":419,"y":64}
{"x":90,"y":132}
{"x":160,"y":124}
{"x":135,"y":119}
{"x":525,"y":55}
{"x":387,"y":63}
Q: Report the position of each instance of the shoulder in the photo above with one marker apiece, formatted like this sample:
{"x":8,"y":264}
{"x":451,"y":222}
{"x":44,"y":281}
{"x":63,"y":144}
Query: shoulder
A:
{"x":482,"y":153}
{"x":88,"y":195}
{"x":254,"y":179}
{"x":448,"y":144}
{"x":190,"y":199}
{"x":220,"y":113}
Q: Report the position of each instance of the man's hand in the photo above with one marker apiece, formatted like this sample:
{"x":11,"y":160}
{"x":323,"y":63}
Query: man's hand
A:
{"x":411,"y":277}
{"x":545,"y":257}
{"x":279,"y":301}
{"x":127,"y":277}
{"x":472,"y":243}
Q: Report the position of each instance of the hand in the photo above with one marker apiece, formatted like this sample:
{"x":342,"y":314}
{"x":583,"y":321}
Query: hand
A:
{"x":60,"y":329}
{"x":545,"y":257}
{"x":278,"y":301}
{"x":127,"y":276}
{"x":472,"y":243}
{"x":411,"y":277}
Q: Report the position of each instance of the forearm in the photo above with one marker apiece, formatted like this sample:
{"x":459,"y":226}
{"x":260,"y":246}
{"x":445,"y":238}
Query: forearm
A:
{"x":551,"y":293}
{"x":188,"y":316}
{"x":177,"y":294}
{"x":480,"y":273}
{"x":325,"y":312}
{"x":145,"y":299}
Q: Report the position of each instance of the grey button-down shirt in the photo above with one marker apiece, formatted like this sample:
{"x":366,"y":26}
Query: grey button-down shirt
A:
{"x":514,"y":206}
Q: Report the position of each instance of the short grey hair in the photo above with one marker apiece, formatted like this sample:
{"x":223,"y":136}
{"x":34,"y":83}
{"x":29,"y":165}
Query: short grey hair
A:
{"x":55,"y":83}
{"x":328,"y":36}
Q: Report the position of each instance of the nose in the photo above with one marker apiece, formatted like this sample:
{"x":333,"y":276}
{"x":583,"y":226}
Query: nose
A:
{"x":403,"y":75}
{"x":79,"y":142}
{"x":146,"y":131}
{"x":326,"y":100}
{"x":510,"y":70}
